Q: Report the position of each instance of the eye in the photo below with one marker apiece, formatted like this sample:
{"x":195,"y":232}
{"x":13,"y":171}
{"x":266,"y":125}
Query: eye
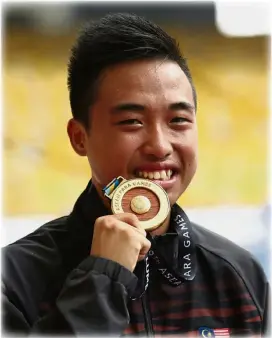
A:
{"x":130,"y":122}
{"x":179,"y":119}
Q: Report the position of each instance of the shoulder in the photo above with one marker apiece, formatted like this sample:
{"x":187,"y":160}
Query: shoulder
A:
{"x":220,"y":246}
{"x":224,"y":254}
{"x":30,"y":264}
{"x":42,"y":242}
{"x":43,"y":233}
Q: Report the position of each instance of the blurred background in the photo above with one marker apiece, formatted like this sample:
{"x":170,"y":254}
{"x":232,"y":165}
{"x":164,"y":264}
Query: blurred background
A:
{"x":42,"y":176}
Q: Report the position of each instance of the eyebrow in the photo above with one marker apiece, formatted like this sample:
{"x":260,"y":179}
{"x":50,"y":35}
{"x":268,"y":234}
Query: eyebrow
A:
{"x":182,"y":106}
{"x":123,"y":107}
{"x":129,"y":106}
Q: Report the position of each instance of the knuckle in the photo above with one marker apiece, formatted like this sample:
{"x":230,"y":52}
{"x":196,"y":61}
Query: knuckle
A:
{"x":109,"y":224}
{"x":126,"y":232}
{"x":133,"y":217}
{"x":99,"y":220}
{"x":106,"y":222}
{"x":98,"y":223}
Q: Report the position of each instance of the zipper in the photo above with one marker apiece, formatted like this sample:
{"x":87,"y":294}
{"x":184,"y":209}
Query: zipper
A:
{"x":147,"y":317}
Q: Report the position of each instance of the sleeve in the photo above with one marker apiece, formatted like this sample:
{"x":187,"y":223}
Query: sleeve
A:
{"x":258,"y":286}
{"x":266,"y":328}
{"x":93,"y":301}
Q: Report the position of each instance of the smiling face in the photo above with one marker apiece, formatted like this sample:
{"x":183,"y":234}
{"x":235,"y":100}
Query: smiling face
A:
{"x":142,"y":124}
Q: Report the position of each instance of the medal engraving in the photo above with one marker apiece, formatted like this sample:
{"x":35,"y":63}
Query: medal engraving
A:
{"x":140,"y":204}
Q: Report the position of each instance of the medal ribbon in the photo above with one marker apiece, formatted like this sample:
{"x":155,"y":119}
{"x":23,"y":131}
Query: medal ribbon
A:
{"x":184,"y":253}
{"x":109,"y":188}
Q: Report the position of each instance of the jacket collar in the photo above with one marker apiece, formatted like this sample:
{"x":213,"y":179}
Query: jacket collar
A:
{"x":89,"y":205}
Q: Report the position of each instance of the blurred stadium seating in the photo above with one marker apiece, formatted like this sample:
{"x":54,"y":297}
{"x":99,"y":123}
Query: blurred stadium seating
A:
{"x":231,"y":77}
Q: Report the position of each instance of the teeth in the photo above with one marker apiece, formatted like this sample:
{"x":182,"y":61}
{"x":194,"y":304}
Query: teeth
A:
{"x":150,"y":176}
{"x":157,"y":175}
{"x":162,"y":175}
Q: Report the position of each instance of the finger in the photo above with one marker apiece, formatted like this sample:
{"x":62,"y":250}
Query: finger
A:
{"x":131,"y":229}
{"x":140,"y":258}
{"x":138,"y":235}
{"x":131,"y":219}
{"x":146,"y":244}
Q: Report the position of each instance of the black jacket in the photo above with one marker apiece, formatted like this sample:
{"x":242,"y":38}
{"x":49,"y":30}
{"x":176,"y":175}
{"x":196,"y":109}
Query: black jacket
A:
{"x":51,"y":285}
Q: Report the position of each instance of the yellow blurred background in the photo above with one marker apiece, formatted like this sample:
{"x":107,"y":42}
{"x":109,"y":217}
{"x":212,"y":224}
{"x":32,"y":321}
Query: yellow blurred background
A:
{"x":42,"y":175}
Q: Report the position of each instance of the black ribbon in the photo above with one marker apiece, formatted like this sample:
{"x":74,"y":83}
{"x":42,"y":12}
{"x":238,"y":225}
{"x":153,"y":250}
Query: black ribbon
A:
{"x":184,"y":268}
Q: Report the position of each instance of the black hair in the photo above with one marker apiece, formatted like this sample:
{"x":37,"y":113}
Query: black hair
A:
{"x":114,"y":39}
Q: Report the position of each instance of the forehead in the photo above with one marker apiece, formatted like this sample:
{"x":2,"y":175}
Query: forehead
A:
{"x":145,"y":80}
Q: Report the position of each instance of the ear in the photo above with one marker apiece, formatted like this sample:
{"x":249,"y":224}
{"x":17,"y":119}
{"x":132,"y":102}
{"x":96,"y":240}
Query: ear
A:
{"x":77,"y":135}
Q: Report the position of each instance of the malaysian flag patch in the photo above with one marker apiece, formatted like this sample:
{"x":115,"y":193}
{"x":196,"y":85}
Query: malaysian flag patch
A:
{"x":207,"y":332}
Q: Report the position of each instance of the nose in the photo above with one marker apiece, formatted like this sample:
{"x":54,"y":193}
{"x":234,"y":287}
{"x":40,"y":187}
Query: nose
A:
{"x":157,"y":145}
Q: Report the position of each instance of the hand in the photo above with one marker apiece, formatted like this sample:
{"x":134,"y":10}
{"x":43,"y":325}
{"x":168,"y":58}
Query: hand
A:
{"x":120,"y":238}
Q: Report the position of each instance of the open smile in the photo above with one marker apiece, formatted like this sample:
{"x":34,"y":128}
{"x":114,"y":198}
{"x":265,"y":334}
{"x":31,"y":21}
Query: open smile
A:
{"x":166,"y":178}
{"x":161,"y":175}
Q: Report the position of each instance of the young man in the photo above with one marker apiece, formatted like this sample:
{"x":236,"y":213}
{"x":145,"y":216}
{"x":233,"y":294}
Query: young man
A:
{"x":134,"y":115}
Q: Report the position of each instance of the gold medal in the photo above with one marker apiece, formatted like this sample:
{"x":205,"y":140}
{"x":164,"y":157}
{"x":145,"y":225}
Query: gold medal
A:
{"x":142,"y":197}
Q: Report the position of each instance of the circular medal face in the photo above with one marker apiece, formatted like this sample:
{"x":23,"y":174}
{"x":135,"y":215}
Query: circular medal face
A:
{"x":146,"y":199}
{"x":140,"y":204}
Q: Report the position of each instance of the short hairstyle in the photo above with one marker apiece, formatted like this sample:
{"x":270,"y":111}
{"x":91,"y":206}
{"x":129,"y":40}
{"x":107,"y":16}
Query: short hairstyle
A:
{"x":114,"y":39}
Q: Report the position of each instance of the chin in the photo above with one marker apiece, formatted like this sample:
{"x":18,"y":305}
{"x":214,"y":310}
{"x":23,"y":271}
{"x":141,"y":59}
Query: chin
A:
{"x":175,"y":195}
{"x":172,"y":198}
